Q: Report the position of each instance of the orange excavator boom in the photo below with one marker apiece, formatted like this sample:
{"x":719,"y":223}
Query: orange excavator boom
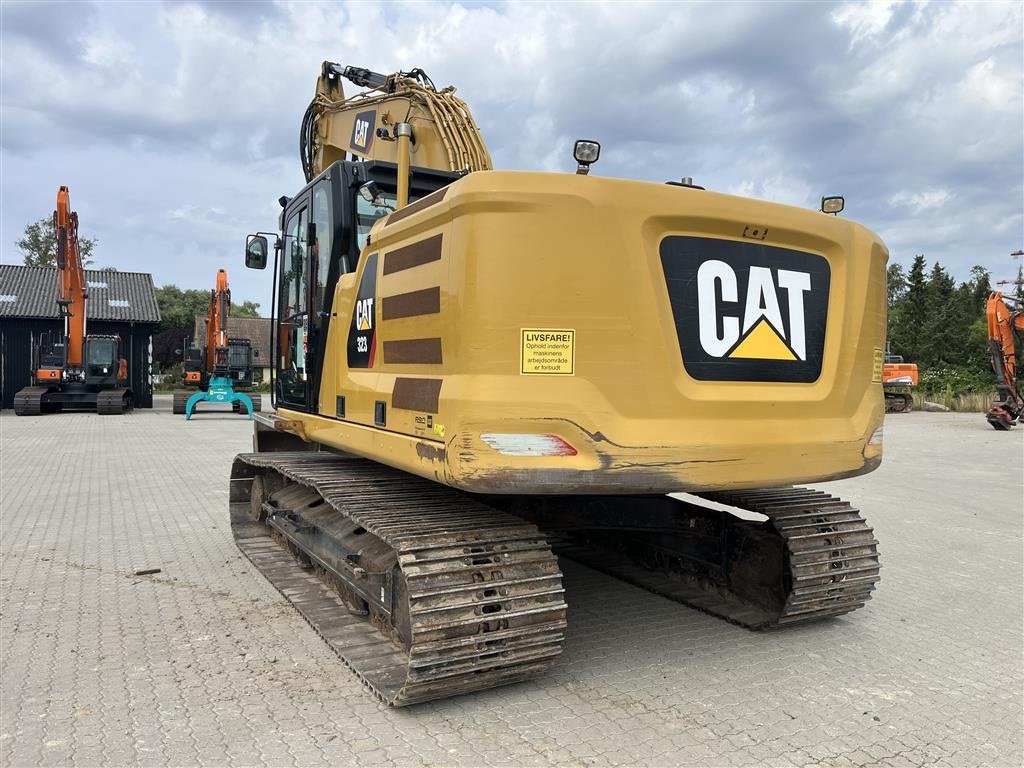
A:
{"x":72,"y":290}
{"x":217,"y":320}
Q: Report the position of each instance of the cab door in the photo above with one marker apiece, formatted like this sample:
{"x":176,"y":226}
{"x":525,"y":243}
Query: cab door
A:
{"x":292,"y":381}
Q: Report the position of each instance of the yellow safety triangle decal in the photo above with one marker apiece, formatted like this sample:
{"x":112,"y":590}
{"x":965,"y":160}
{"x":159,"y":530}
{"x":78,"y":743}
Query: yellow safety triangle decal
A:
{"x":763,"y":343}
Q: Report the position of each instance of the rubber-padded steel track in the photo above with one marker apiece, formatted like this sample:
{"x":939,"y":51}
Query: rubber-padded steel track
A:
{"x":482,"y":591}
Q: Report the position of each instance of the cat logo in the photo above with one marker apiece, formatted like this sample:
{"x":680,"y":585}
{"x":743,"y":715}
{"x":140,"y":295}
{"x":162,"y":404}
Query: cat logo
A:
{"x":747,"y":311}
{"x":760,"y":336}
{"x":364,"y":314}
{"x":362,"y":131}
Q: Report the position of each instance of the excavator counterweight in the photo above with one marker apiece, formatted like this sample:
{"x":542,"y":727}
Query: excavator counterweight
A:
{"x":477,"y":370}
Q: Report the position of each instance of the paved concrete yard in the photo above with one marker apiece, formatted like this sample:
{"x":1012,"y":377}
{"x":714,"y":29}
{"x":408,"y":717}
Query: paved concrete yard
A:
{"x":206,"y":663}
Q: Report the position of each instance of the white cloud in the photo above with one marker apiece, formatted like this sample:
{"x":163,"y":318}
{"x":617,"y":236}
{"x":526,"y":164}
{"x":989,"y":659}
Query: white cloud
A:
{"x":921,"y":201}
{"x":863,"y":20}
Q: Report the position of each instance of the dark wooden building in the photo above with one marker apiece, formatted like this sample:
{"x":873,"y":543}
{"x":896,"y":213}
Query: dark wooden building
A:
{"x":119,"y":303}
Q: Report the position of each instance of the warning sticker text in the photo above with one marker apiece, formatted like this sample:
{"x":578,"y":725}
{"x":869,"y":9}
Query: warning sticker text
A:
{"x":550,"y":351}
{"x":876,"y":368}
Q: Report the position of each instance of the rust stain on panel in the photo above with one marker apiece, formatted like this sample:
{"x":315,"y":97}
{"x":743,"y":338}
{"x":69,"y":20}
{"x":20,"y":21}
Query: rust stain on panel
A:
{"x":430,"y":451}
{"x":409,"y":256}
{"x":413,"y":351}
{"x":423,"y":302}
{"x":419,"y":205}
{"x":416,"y":394}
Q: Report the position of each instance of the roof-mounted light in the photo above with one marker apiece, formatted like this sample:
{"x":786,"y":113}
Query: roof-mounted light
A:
{"x":832,"y":204}
{"x":370,"y":192}
{"x":585,"y":152}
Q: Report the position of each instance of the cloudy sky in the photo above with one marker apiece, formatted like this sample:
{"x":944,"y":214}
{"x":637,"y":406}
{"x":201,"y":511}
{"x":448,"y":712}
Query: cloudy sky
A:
{"x":176,"y":124}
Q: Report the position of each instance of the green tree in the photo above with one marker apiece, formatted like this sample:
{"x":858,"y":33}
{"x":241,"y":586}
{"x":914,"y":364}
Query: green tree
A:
{"x":896,"y":288}
{"x":178,"y":308}
{"x":909,"y":313}
{"x":945,"y":326}
{"x":980,"y":286}
{"x":38,"y":245}
{"x":246,"y":309}
{"x":895,"y":283}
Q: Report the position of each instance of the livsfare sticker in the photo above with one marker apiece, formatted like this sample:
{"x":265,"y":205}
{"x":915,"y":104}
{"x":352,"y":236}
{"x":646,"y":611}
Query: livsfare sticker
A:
{"x":548,"y":351}
{"x":877,"y":366}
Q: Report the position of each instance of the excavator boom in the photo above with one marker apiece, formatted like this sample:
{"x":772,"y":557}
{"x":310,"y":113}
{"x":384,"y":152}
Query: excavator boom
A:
{"x":336,"y":127}
{"x":72,"y":291}
{"x":217,"y":321}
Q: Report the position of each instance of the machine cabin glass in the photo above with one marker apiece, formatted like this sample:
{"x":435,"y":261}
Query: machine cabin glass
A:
{"x":293,"y":311}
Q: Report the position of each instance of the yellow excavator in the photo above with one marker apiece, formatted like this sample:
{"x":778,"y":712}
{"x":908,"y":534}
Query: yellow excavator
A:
{"x":474,"y":366}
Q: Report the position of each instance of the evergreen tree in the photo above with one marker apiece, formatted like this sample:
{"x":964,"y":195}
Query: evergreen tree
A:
{"x":910,"y":313}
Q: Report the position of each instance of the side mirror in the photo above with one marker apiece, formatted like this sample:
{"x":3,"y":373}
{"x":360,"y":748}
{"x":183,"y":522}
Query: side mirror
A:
{"x":256,"y":252}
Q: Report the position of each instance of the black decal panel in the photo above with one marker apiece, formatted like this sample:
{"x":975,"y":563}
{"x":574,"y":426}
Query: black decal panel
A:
{"x":362,"y":334}
{"x":363,"y":132}
{"x":745,"y":311}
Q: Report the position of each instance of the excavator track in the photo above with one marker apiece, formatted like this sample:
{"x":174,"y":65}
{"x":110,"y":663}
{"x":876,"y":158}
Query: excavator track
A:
{"x":29,"y":401}
{"x":257,"y":404}
{"x":814,"y":557}
{"x":180,"y":400}
{"x":831,"y":552}
{"x":113,"y":402}
{"x":423,"y":591}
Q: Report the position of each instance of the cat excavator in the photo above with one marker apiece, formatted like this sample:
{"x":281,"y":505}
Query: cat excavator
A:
{"x":222,"y":367}
{"x":73,"y":370}
{"x":1005,"y":318}
{"x":473,"y":366}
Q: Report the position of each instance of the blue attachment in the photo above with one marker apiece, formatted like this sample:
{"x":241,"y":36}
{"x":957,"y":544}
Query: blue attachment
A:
{"x":219,"y":391}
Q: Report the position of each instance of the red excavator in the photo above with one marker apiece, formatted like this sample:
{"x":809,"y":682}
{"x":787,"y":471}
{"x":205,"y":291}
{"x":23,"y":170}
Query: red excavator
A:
{"x":1005,"y":332}
{"x":72,"y":370}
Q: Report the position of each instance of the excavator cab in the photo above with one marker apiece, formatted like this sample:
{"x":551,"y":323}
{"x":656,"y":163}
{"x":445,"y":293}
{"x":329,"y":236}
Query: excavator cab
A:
{"x":240,"y":361}
{"x":102,"y":360}
{"x":324,"y":228}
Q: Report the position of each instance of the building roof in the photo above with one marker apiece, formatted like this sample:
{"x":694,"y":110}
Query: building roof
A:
{"x":256,"y":329}
{"x":115,"y":296}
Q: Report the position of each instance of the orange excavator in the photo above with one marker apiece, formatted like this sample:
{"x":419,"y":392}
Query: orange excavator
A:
{"x":898,"y":380}
{"x":72,"y":370}
{"x":222,"y":365}
{"x":1005,"y":316}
